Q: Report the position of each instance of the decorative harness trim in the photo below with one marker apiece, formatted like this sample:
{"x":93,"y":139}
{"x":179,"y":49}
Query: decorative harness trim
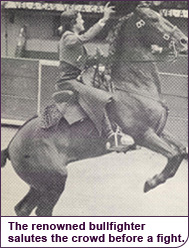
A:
{"x":141,"y":23}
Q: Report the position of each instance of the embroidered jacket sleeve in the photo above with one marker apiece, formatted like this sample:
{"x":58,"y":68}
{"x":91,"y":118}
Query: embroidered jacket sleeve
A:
{"x":70,"y":39}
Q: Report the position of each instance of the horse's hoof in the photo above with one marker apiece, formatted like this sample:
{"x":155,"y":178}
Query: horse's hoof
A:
{"x":185,"y":155}
{"x":147,"y":187}
{"x":154,"y":182}
{"x":43,"y":212}
{"x":21,"y":213}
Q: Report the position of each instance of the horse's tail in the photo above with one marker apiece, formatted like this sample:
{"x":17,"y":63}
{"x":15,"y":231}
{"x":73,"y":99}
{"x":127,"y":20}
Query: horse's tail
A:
{"x":4,"y":156}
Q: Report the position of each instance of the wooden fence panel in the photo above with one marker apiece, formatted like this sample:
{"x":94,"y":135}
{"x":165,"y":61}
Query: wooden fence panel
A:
{"x":19,"y":88}
{"x":27,"y":87}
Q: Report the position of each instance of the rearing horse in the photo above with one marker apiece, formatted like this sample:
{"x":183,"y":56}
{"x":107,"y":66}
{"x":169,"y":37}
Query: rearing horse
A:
{"x":137,"y":83}
{"x":40,"y":156}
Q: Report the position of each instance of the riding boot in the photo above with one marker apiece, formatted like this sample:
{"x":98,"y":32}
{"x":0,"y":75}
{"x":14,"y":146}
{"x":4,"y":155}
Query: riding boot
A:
{"x":116,"y":141}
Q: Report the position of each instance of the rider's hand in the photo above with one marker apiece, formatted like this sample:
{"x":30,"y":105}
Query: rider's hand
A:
{"x":108,"y":10}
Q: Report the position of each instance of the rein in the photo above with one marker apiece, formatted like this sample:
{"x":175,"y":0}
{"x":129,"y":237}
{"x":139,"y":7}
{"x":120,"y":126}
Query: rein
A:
{"x":99,"y":80}
{"x":145,"y":96}
{"x":139,"y":94}
{"x":110,"y":86}
{"x":175,"y":53}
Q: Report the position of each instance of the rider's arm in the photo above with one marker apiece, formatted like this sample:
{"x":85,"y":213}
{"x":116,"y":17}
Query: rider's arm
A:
{"x":93,"y":31}
{"x":71,"y":39}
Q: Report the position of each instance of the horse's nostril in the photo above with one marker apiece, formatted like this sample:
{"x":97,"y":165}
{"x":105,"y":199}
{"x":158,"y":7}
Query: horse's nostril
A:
{"x":183,"y":41}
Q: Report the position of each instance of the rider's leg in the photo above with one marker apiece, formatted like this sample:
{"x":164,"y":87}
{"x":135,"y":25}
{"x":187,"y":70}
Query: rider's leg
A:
{"x":65,"y":92}
{"x":62,"y":96}
{"x":116,"y":141}
{"x":107,"y":126}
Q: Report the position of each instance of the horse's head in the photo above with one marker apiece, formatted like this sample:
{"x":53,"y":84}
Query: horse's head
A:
{"x":145,"y":35}
{"x":156,"y":30}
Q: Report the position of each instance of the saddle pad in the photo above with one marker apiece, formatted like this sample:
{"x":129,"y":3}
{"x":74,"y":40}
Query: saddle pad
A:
{"x":54,"y":112}
{"x":50,"y":116}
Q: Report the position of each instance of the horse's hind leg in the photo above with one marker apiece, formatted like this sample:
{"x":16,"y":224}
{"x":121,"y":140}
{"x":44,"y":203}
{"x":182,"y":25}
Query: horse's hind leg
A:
{"x":50,"y":195}
{"x":28,"y":203}
{"x":152,"y":141}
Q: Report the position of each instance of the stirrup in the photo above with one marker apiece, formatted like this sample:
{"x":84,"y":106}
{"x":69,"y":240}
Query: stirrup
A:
{"x":62,"y":96}
{"x":119,"y":142}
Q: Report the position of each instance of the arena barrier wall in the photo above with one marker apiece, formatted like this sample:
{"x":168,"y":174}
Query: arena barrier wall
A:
{"x":27,"y":86}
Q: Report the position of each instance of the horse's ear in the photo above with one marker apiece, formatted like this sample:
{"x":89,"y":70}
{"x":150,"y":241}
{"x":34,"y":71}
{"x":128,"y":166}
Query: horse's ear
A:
{"x":146,"y":4}
{"x":125,"y":7}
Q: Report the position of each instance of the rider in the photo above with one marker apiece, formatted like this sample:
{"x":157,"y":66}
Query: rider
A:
{"x":73,"y":59}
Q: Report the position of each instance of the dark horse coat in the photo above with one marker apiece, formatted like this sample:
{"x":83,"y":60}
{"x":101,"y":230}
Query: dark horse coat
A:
{"x":40,"y":156}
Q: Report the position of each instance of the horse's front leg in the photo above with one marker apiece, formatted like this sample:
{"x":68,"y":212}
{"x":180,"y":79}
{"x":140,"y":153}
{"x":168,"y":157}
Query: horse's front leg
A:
{"x":152,"y":141}
{"x":175,"y":143}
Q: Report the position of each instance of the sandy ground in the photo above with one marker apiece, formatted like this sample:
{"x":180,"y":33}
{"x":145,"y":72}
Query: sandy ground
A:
{"x":111,"y":185}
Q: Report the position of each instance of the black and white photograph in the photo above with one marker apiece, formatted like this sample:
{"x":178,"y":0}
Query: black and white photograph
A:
{"x":94,"y":108}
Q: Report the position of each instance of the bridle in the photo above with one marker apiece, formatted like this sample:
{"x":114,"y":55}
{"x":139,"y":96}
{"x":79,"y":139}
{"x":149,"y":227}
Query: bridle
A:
{"x":167,"y":37}
{"x":172,"y":43}
{"x":98,"y":79}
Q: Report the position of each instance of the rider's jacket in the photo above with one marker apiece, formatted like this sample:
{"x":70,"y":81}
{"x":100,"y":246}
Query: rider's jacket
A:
{"x":71,"y":53}
{"x":71,"y":48}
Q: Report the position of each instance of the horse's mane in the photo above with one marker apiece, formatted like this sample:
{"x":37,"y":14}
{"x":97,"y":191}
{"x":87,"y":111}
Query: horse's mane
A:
{"x":115,"y":37}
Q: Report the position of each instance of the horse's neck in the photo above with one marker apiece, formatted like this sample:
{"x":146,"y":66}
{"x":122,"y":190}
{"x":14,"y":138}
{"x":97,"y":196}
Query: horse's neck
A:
{"x":133,"y":66}
{"x":141,"y":77}
{"x":132,"y":51}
